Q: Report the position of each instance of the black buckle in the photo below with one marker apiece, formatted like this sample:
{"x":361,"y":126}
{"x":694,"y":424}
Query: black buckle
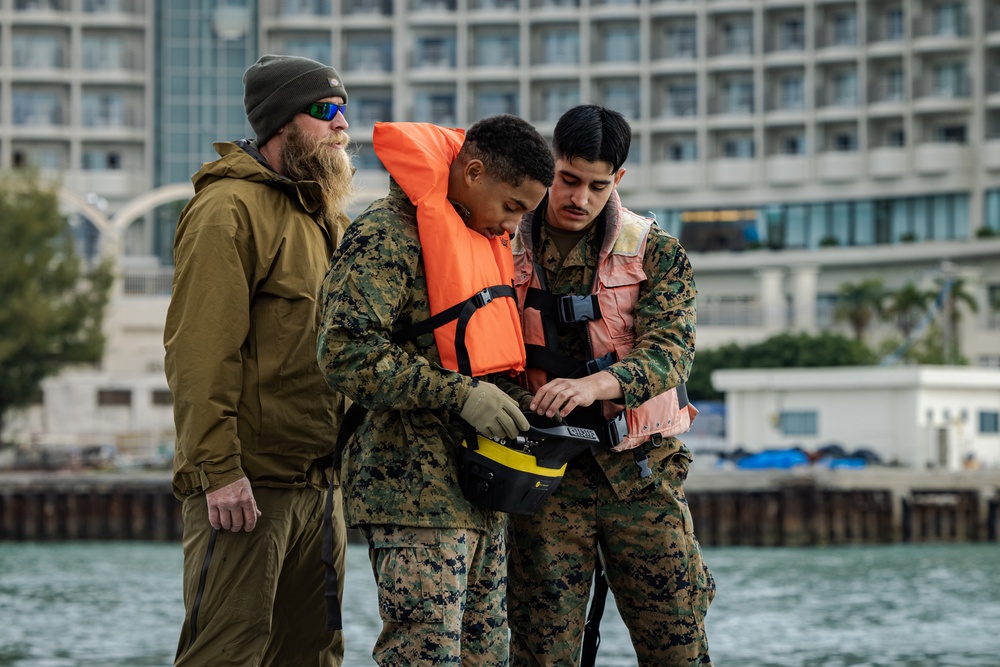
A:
{"x":600,"y":363}
{"x":482,"y":298}
{"x":574,"y":308}
{"x":617,"y":429}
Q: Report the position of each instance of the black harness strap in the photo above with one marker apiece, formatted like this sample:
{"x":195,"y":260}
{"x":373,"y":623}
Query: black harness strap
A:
{"x":352,"y":420}
{"x":592,"y":631}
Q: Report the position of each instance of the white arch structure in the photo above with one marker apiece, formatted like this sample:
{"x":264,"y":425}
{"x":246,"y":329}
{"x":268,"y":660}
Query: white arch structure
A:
{"x":113,"y":226}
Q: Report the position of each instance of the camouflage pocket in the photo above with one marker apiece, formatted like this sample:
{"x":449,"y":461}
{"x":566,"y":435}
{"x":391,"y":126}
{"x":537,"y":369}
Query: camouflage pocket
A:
{"x":406,"y":562}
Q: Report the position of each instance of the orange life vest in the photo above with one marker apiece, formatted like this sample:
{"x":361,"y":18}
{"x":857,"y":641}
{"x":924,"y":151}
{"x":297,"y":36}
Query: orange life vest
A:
{"x":468,"y":275}
{"x":616,"y":288}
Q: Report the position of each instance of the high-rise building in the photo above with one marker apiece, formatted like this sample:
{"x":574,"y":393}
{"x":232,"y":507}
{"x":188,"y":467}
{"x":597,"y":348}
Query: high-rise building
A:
{"x":794,"y":146}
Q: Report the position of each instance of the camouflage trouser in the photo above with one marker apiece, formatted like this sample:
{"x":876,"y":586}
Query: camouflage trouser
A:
{"x":440,"y":595}
{"x":654,"y":564}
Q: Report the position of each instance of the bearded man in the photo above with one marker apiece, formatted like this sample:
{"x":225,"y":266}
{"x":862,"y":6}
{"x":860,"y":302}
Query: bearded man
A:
{"x":256,"y":421}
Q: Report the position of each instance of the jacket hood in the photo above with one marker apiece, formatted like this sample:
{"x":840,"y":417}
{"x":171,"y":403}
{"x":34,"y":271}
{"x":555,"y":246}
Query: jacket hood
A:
{"x":242,"y":160}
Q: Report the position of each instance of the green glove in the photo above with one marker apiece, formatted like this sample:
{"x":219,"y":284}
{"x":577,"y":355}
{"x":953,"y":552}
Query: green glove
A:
{"x":493,"y":413}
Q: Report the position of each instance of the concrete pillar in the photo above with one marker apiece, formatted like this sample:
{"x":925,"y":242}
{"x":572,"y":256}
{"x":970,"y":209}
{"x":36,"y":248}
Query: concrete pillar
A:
{"x":804,"y":279}
{"x":772,"y":300}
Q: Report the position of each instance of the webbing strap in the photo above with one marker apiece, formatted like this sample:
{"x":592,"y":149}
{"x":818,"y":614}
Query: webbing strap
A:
{"x":427,"y":326}
{"x":352,"y":420}
{"x":331,"y":577}
{"x":592,"y":631}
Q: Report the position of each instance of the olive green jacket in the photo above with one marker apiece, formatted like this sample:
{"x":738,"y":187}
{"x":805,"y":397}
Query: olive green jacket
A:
{"x":250,"y":254}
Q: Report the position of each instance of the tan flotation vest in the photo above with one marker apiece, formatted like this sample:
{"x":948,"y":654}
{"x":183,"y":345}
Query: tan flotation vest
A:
{"x":609,"y":315}
{"x":469,"y":277}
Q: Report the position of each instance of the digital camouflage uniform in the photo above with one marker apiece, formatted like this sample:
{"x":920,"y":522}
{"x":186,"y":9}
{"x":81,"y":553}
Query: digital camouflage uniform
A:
{"x":427,"y":543}
{"x":643,"y":525}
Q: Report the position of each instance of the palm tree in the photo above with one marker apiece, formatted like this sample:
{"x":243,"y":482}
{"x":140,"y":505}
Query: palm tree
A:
{"x":908,"y":305}
{"x":955,"y":293}
{"x":860,"y":303}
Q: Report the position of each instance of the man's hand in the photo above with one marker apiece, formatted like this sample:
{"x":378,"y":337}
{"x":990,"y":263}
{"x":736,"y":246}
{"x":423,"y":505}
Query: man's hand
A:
{"x":233,"y":507}
{"x":562,"y":395}
{"x":493,"y":413}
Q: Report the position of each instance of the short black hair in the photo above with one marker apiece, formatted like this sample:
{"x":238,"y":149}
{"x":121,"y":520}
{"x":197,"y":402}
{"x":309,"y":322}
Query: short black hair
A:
{"x":511,"y":150}
{"x":594,"y":133}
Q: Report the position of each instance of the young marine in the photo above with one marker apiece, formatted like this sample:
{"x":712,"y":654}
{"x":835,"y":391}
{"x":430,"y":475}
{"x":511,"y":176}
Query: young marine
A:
{"x":418,"y":317}
{"x":608,"y":307}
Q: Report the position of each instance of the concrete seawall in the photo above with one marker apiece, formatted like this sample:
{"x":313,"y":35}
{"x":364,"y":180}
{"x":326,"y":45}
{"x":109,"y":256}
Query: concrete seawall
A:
{"x":802,"y":507}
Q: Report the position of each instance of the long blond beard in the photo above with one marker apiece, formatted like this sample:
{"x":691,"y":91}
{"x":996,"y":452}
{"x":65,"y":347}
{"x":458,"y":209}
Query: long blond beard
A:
{"x":306,"y":160}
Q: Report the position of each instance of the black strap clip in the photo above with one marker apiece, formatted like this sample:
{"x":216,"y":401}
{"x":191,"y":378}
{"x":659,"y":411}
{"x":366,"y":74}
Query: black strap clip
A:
{"x":482,"y":298}
{"x":574,"y":308}
{"x":600,"y":363}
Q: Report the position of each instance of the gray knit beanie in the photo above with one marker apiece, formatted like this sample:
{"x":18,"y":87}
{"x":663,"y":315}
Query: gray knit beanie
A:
{"x":278,"y":87}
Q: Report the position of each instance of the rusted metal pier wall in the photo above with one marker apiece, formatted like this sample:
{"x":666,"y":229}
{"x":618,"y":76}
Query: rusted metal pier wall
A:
{"x":730,"y":508}
{"x":810,"y":507}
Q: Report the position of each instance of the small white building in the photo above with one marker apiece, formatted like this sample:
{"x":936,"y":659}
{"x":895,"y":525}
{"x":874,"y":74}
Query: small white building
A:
{"x":917,"y":416}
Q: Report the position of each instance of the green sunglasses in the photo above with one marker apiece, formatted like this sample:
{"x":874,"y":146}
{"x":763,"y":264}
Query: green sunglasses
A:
{"x":324,"y":110}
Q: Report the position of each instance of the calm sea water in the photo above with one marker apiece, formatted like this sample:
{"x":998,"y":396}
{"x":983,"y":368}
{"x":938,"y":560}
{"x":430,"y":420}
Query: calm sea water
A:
{"x":119,"y":605}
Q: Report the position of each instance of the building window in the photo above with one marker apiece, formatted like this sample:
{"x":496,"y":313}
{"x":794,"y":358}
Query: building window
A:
{"x":805,"y":422}
{"x":949,"y":19}
{"x":555,"y":101}
{"x":894,"y":26}
{"x":738,"y":147}
{"x":497,"y":51}
{"x":845,"y":89}
{"x":435,"y":52}
{"x":162,"y":397}
{"x":37,"y":51}
{"x":845,"y":29}
{"x":793,"y":144}
{"x":845,"y":141}
{"x":894,"y":91}
{"x":737,"y":38}
{"x":683,"y":150}
{"x":737,"y":97}
{"x":683,"y":41}
{"x":369,"y":54}
{"x":989,"y":421}
{"x":792,"y":93}
{"x":951,"y":80}
{"x":438,"y":108}
{"x":793,"y":35}
{"x":951,"y":134}
{"x":682,"y":99}
{"x":494,"y":103}
{"x":561,"y":47}
{"x":109,"y":397}
{"x":621,"y":45}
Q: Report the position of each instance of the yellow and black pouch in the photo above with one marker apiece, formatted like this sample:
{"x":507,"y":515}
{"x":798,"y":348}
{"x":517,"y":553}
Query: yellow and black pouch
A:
{"x":515,"y":476}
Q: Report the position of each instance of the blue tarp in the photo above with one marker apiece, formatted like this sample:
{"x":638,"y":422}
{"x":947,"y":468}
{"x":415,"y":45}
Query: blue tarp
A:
{"x":780,"y":458}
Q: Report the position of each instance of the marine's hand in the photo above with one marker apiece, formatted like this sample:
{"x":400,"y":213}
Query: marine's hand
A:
{"x":559,"y":397}
{"x":493,"y":413}
{"x":233,"y":507}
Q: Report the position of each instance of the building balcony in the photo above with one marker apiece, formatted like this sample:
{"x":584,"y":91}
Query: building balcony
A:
{"x":732,"y":172}
{"x":942,"y":158}
{"x":109,"y":183}
{"x":670,"y":175}
{"x":787,"y":169}
{"x":887,"y":162}
{"x":838,"y":166}
{"x":990,"y":154}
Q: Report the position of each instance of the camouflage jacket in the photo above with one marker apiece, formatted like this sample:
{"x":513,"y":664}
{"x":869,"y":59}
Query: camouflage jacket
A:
{"x":401,"y":466}
{"x":664,"y":328}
